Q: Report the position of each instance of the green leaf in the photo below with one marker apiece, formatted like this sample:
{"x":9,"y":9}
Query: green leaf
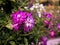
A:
{"x":9,"y":26}
{"x":12,"y":43}
{"x":26,"y":41}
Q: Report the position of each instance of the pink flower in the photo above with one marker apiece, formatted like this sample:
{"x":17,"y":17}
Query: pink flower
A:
{"x":58,"y":26}
{"x":52,"y":33}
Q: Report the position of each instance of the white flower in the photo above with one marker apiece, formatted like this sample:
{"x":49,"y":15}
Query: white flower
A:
{"x":26,"y":7}
{"x":32,"y":8}
{"x":37,"y":4}
{"x":36,"y":7}
{"x":39,"y":15}
{"x":41,"y":7}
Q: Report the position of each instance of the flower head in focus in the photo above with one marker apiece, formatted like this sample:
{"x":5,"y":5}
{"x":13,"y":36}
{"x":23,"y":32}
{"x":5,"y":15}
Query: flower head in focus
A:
{"x":20,"y":18}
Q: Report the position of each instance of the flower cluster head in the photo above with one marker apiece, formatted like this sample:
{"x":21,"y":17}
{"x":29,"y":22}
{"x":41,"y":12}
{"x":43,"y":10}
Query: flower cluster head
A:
{"x":20,"y":18}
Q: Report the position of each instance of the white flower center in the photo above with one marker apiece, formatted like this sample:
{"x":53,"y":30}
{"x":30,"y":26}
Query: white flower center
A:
{"x":18,"y":15}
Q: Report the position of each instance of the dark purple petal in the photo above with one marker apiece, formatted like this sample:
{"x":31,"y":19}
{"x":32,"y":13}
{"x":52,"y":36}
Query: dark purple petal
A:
{"x":26,"y":29}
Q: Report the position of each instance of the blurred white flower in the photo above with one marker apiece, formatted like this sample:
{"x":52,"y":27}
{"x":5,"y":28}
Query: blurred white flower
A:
{"x":39,"y":15}
{"x":39,"y":8}
{"x":26,"y":7}
{"x":32,"y":8}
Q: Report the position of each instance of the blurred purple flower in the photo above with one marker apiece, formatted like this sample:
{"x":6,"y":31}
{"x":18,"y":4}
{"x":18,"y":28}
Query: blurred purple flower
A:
{"x":47,"y":15}
{"x":58,"y":26}
{"x":46,"y":22}
{"x":18,"y":17}
{"x":52,"y":33}
{"x":43,"y":39}
{"x":22,"y":18}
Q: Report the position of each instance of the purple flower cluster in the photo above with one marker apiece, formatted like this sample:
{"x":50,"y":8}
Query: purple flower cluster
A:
{"x":20,"y":18}
{"x":48,"y":24}
{"x":47,"y":15}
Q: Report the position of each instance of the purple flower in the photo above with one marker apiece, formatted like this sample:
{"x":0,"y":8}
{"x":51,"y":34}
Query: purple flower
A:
{"x":52,"y":33}
{"x":29,"y":23}
{"x":46,"y":22}
{"x":47,"y":15}
{"x":58,"y":26}
{"x":43,"y":40}
{"x":15,"y":27}
{"x":20,"y":18}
